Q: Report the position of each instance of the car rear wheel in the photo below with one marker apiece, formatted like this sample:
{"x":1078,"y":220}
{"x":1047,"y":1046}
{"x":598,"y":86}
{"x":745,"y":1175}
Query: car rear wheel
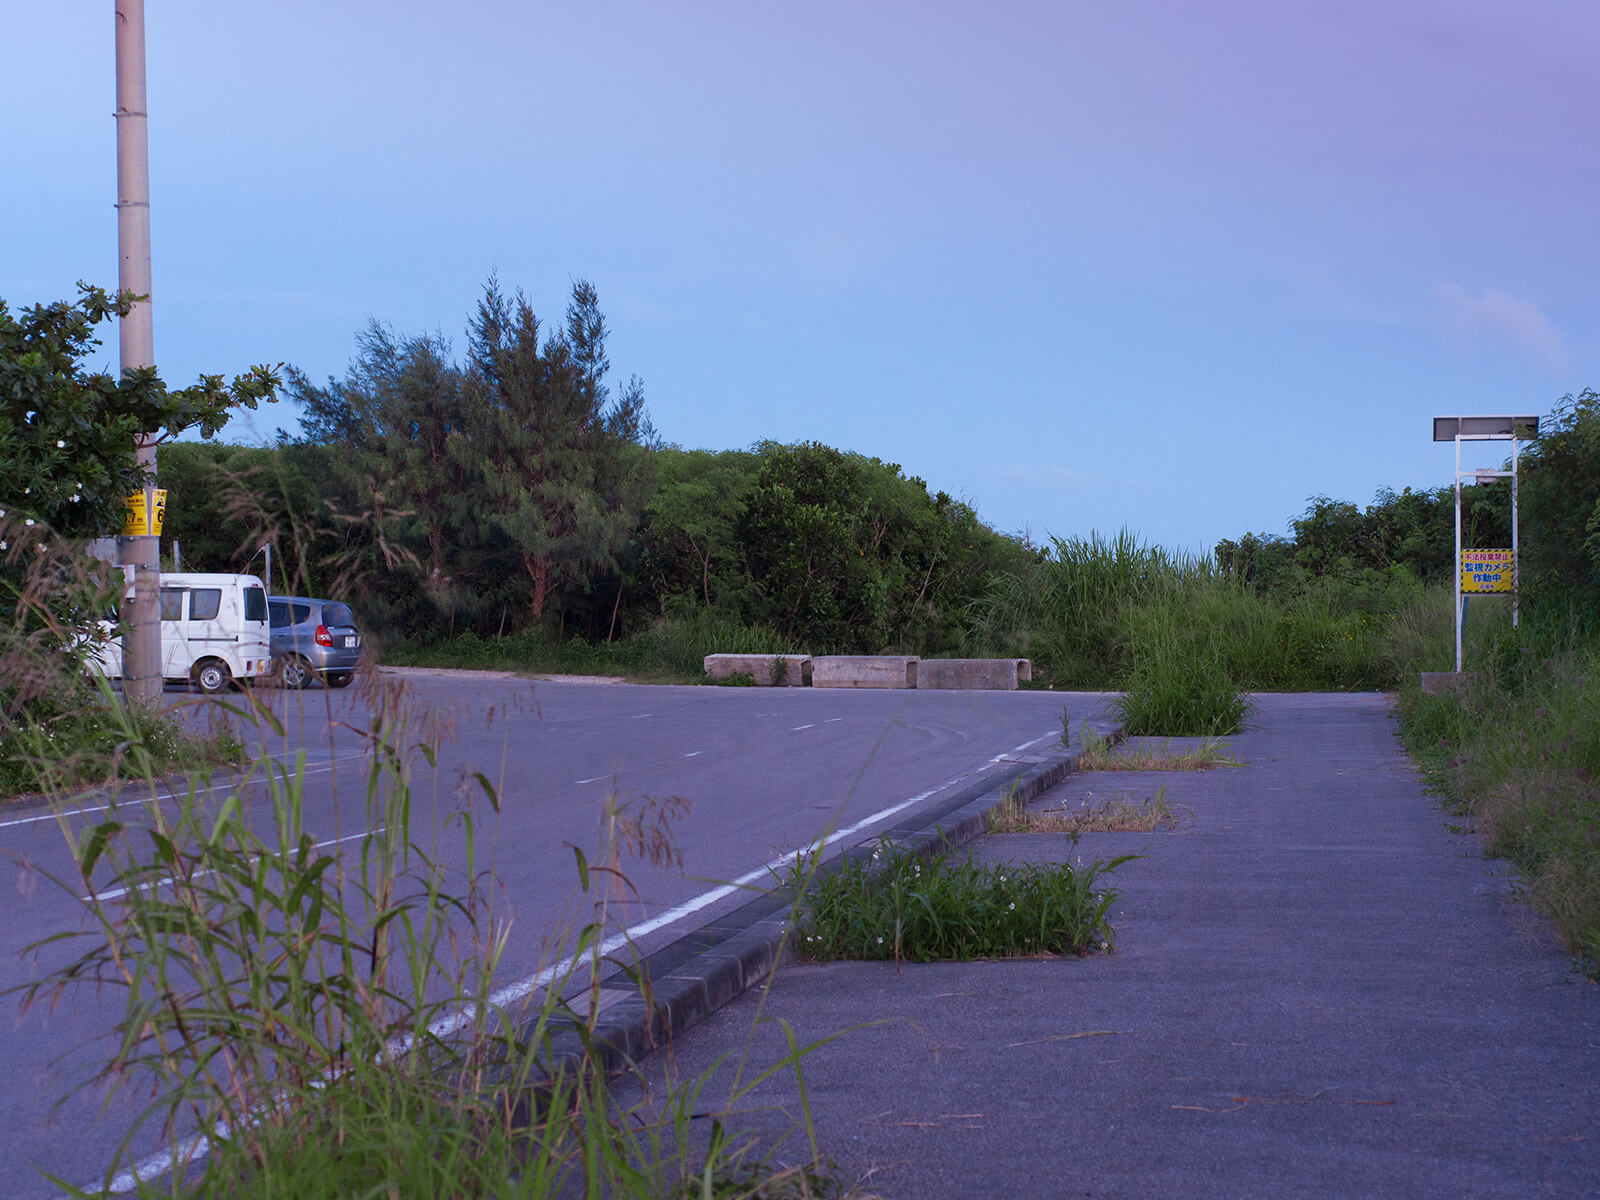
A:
{"x":212,"y":676}
{"x":339,"y":678}
{"x":296,"y":672}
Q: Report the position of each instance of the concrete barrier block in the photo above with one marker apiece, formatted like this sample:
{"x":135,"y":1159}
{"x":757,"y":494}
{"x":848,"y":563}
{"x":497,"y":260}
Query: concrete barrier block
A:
{"x":864,"y":671}
{"x":977,"y":674}
{"x":768,"y":670}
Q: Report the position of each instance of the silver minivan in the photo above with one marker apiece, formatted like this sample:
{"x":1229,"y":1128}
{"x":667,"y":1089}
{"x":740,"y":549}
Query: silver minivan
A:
{"x":313,"y":639}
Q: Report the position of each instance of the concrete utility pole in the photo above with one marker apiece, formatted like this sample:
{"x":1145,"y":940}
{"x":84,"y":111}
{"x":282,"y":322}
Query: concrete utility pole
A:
{"x":141,"y":652}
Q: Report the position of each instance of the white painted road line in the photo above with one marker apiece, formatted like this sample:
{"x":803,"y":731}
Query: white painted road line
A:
{"x":694,"y":754}
{"x":520,"y":991}
{"x":118,"y":893}
{"x":798,"y":728}
{"x":73,"y":812}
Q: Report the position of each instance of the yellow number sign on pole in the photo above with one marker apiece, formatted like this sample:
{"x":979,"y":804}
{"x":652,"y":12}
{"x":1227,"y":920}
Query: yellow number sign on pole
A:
{"x":1485,"y":571}
{"x":137,"y":523}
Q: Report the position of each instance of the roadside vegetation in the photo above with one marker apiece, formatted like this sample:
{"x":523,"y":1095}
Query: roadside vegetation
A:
{"x":904,"y":907}
{"x":508,"y":508}
{"x":1116,"y":813}
{"x":301,"y":1020}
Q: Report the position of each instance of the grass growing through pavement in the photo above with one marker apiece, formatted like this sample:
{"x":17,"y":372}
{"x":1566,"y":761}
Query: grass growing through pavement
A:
{"x":1098,"y":753}
{"x":901,"y":906}
{"x":1118,"y":813}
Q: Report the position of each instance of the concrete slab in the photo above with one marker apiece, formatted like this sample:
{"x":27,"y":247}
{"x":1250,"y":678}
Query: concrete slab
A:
{"x":768,"y":670}
{"x":864,"y":671}
{"x":1319,"y":989}
{"x":973,"y":674}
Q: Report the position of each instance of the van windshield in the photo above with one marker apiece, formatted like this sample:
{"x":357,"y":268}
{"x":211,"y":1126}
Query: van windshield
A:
{"x":255,"y":604}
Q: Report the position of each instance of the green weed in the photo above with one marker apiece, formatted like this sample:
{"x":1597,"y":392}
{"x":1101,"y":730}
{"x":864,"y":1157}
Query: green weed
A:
{"x":900,"y":906}
{"x":327,"y":1022}
{"x":1097,"y":753}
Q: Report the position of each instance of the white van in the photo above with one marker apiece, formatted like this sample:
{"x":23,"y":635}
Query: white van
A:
{"x":213,"y":630}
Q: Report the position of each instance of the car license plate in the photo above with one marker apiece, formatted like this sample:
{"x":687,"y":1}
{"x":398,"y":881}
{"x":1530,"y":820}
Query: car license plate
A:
{"x":350,"y":643}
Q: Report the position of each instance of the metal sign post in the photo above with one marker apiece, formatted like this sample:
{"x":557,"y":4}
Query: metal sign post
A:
{"x":1478,"y":571}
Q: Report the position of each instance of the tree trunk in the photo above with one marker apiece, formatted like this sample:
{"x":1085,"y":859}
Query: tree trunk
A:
{"x":538,"y":568}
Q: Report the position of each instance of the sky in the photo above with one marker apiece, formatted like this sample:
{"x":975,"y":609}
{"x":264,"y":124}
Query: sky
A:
{"x":1160,"y":265}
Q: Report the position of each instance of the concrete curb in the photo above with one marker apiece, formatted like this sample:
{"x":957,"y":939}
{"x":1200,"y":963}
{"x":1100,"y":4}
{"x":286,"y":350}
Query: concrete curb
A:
{"x":703,"y":970}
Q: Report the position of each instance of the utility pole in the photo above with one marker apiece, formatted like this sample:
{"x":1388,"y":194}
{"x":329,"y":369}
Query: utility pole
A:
{"x":141,"y":653}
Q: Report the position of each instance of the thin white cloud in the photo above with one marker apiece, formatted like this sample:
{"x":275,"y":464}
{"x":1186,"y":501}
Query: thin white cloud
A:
{"x":1494,"y":314}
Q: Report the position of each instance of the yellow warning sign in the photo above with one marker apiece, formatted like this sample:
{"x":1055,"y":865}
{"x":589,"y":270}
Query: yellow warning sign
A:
{"x":136,"y":523}
{"x":1485,"y":571}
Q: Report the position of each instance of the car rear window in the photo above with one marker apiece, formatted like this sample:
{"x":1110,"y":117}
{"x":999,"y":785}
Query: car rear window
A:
{"x":205,"y":603}
{"x":302,"y":613}
{"x":337,"y":614}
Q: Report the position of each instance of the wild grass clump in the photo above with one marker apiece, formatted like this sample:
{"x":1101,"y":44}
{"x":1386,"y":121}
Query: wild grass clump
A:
{"x":1096,"y":753}
{"x":1518,"y":748}
{"x":1174,"y":695}
{"x":62,"y":725}
{"x":900,"y":906}
{"x":672,"y":648}
{"x":314,"y":1011}
{"x":1119,"y":813}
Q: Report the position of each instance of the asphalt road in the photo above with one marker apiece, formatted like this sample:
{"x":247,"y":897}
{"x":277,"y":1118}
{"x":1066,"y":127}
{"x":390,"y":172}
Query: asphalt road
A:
{"x":761,"y":773}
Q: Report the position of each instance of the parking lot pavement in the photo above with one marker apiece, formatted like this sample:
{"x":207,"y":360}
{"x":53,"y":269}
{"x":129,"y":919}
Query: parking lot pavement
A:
{"x":1317,"y":990}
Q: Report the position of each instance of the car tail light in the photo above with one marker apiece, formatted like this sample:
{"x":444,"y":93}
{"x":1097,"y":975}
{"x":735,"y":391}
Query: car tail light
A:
{"x":324,"y":638}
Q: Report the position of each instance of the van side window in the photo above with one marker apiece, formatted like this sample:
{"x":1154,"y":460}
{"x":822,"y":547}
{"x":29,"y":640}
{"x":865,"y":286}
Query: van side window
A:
{"x":171,"y":604}
{"x":204,"y":604}
{"x":255,"y":604}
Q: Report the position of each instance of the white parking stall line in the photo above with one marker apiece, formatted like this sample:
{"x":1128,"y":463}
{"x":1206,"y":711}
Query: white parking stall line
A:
{"x":118,"y":893}
{"x":130,"y":800}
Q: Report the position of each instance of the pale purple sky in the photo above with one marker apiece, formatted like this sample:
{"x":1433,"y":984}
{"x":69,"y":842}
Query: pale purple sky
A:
{"x":1174,"y":266}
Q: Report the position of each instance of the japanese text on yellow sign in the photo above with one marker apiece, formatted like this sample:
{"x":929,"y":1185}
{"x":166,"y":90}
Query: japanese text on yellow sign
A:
{"x":1485,"y":571}
{"x":135,"y":523}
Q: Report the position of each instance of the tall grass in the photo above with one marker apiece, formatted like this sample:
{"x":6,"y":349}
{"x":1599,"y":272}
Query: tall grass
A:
{"x":1518,"y":748}
{"x":304,"y":1021}
{"x":62,"y":726}
{"x":672,"y":648}
{"x":1114,"y":613}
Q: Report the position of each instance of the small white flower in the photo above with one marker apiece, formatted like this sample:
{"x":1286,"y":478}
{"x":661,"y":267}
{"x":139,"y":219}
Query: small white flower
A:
{"x":2,"y":545}
{"x":880,"y":941}
{"x":1012,"y":906}
{"x":76,"y":497}
{"x":77,"y":487}
{"x":29,"y":522}
{"x":31,"y":414}
{"x":60,"y":445}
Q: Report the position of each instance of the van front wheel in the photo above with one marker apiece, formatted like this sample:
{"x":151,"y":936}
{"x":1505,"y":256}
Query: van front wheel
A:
{"x":212,"y":676}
